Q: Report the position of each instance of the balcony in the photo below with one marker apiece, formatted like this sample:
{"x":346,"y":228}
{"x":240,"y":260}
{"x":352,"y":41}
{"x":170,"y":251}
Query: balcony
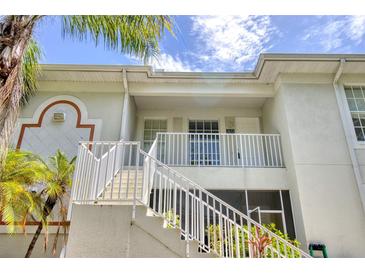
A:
{"x":220,"y":149}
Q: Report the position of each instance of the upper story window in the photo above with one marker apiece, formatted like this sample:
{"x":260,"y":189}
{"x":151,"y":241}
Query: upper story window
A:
{"x":355,"y":96}
{"x":151,"y":128}
{"x":203,"y":126}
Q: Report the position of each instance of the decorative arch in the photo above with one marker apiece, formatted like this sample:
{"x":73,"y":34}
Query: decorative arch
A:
{"x":45,"y":106}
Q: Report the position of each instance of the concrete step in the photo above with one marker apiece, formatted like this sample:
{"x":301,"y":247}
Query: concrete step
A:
{"x":205,"y":255}
{"x":124,"y":184}
{"x":153,"y":225}
{"x":125,"y":177}
{"x":170,"y":237}
{"x":123,"y":189}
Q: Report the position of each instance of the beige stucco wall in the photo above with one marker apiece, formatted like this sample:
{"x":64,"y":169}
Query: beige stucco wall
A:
{"x":190,"y":114}
{"x":129,"y":120}
{"x":103,"y":102}
{"x":237,"y":178}
{"x":105,"y":231}
{"x":15,"y":245}
{"x":317,"y":158}
{"x":275,"y":121}
{"x":196,"y":89}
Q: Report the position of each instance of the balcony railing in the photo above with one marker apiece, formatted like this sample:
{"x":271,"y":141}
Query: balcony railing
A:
{"x":212,"y":149}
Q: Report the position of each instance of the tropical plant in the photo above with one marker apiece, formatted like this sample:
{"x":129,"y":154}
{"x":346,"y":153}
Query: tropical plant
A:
{"x":173,"y":220}
{"x":259,"y":241}
{"x":215,"y":237}
{"x":56,"y":187}
{"x":280,"y":246}
{"x":22,"y":171}
{"x":19,"y":53}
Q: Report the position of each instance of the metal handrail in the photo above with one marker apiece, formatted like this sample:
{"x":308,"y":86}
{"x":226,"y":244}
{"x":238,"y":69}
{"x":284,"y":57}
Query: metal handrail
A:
{"x":219,"y":133}
{"x":195,"y":185}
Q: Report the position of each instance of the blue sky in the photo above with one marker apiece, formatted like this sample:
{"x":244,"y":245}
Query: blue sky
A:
{"x":218,"y":43}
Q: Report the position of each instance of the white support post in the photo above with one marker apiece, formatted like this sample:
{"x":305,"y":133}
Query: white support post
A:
{"x":135,"y":183}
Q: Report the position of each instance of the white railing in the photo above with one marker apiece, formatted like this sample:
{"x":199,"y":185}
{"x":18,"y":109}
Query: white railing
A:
{"x":220,"y":149}
{"x":199,"y":215}
{"x":98,"y":164}
{"x":149,"y":169}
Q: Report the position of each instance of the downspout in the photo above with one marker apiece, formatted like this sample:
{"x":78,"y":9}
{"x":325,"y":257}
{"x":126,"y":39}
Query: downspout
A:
{"x":125,"y":105}
{"x":354,"y":160}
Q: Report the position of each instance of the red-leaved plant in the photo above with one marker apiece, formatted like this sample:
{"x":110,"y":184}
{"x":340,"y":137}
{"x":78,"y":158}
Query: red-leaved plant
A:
{"x":259,"y":242}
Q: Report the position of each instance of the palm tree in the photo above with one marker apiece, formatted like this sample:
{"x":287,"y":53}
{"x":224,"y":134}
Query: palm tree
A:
{"x":21,"y":172}
{"x":55,"y":189}
{"x":19,"y":53}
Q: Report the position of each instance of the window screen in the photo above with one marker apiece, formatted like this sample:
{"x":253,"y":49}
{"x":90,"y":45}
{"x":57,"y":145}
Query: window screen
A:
{"x":355,"y":96}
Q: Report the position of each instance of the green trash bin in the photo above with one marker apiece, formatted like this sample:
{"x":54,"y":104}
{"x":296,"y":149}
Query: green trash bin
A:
{"x":318,"y":247}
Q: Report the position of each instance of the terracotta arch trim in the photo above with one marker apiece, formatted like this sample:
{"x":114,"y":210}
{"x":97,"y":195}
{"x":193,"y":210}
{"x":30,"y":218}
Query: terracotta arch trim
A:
{"x":41,"y":116}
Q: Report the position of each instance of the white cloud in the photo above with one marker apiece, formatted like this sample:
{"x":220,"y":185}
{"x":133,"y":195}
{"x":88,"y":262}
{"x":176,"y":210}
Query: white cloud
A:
{"x":169,"y":63}
{"x":357,"y":28}
{"x":333,"y":34}
{"x":230,"y":42}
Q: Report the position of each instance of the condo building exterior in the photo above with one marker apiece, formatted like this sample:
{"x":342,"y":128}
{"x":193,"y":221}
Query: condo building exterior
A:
{"x":282,"y":144}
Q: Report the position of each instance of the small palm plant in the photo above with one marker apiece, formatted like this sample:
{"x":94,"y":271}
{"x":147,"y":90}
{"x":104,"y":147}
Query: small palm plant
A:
{"x":22,"y":171}
{"x":60,"y":171}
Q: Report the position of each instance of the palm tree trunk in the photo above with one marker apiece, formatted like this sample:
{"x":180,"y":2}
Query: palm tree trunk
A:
{"x":15,"y":33}
{"x":47,"y":209}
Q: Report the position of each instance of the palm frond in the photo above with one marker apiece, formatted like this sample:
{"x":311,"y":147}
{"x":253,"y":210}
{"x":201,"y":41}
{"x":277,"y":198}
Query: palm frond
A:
{"x":24,"y":167}
{"x":62,"y":169}
{"x":133,"y":35}
{"x":30,"y":70}
{"x":21,"y":171}
{"x":16,"y":202}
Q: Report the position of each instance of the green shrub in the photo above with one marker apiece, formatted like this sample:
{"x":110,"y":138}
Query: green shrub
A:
{"x":169,"y":216}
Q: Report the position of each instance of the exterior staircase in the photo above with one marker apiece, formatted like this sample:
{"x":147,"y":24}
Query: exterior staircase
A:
{"x":129,"y":198}
{"x":108,"y":231}
{"x":168,"y":235}
{"x":122,"y":186}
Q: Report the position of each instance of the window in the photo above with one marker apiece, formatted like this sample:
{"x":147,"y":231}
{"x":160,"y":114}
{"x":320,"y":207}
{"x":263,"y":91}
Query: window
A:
{"x":151,"y":128}
{"x":263,"y":206}
{"x":203,"y":126}
{"x":355,"y":96}
{"x":204,"y":144}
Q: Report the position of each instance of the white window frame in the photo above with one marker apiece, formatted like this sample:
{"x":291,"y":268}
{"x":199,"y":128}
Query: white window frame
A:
{"x":349,"y":126}
{"x":221,"y":124}
{"x":153,"y":118}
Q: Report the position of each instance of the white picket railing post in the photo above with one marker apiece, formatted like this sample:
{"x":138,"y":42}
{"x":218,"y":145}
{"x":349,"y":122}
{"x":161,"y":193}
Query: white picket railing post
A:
{"x":96,"y":194}
{"x":135,"y":183}
{"x":75,"y":181}
{"x":187,"y":218}
{"x":220,"y":149}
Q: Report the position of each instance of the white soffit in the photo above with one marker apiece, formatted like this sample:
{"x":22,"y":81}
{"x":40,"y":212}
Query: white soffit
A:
{"x":183,"y":102}
{"x":266,"y":71}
